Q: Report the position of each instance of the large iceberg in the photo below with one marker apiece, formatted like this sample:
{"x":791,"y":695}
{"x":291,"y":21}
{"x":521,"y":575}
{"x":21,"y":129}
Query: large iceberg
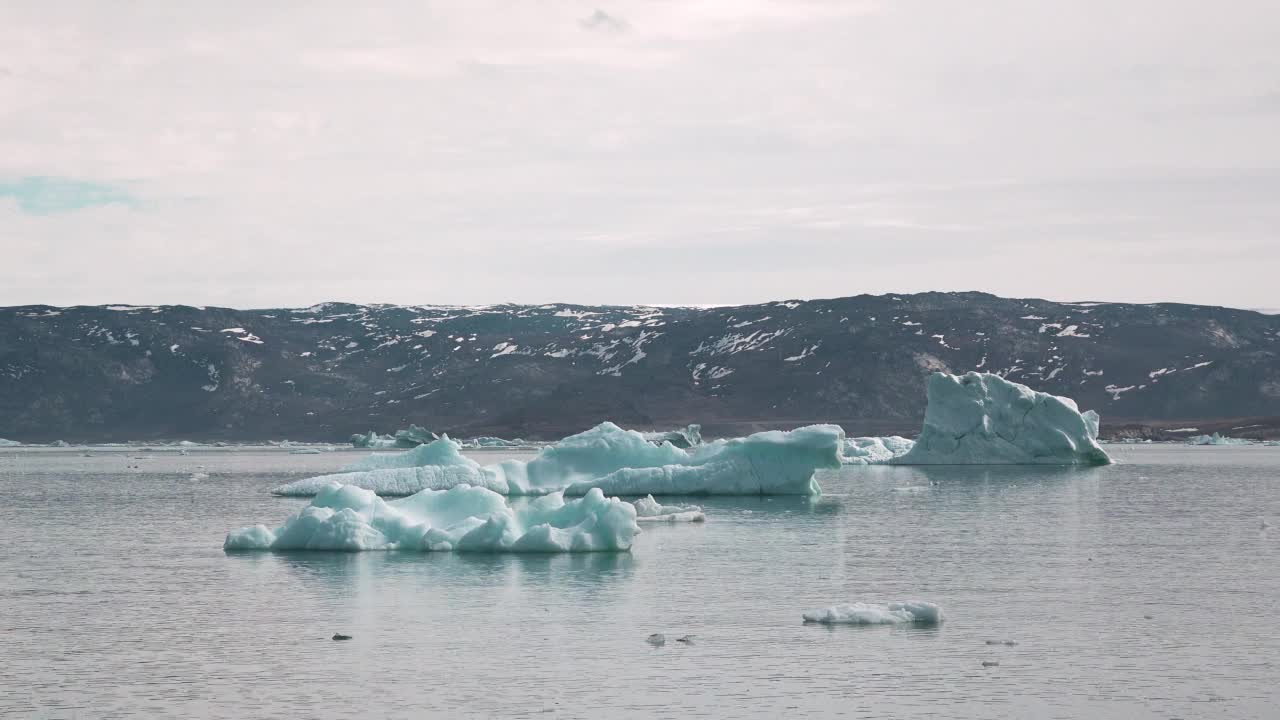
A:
{"x":983,"y":419}
{"x":686,"y":437}
{"x":898,"y":613}
{"x":620,"y":462}
{"x":9,"y":443}
{"x":347,"y":518}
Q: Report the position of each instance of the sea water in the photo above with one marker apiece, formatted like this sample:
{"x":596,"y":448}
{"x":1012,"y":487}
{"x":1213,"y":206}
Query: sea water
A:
{"x":1146,"y":589}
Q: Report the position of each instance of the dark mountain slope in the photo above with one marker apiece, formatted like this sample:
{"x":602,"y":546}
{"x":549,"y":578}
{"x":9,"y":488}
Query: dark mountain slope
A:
{"x":321,"y":373}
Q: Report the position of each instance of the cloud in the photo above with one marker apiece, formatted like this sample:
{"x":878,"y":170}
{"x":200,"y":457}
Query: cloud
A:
{"x":295,"y":154}
{"x":602,"y":21}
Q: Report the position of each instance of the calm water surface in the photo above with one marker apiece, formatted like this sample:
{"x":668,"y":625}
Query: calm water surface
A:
{"x":117,"y":600}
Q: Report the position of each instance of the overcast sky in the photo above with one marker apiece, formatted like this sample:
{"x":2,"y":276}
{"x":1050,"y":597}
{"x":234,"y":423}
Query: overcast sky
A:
{"x":257,"y":154}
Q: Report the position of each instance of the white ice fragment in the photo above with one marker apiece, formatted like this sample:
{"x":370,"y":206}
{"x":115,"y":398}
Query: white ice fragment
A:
{"x":347,"y":518}
{"x":875,"y":450}
{"x":914,"y":612}
{"x":650,"y":510}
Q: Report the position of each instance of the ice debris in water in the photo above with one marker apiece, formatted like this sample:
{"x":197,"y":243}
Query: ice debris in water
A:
{"x":9,"y":443}
{"x":980,"y":418}
{"x":915,"y":612}
{"x":464,"y":518}
{"x":617,"y":461}
{"x":650,"y":510}
{"x":686,"y":437}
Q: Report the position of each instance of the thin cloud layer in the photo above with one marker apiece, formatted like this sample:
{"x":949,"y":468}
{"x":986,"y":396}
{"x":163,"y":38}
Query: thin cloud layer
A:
{"x":696,"y":152}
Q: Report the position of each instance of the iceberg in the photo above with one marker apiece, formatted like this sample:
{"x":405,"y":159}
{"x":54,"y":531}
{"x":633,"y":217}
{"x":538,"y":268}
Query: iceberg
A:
{"x":488,"y":441}
{"x":463,"y":518}
{"x":650,"y":510}
{"x":875,"y":450}
{"x":983,"y":419}
{"x":9,"y":443}
{"x":413,"y":436}
{"x":898,"y":613}
{"x":410,"y":437}
{"x":617,"y":461}
{"x":685,"y":438}
{"x":1217,"y":439}
{"x":372,"y":441}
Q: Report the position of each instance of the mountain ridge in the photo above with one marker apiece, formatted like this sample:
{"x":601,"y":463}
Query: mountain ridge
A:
{"x":124,"y":372}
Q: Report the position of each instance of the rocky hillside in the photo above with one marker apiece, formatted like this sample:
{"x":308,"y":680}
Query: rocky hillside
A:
{"x":321,"y":373}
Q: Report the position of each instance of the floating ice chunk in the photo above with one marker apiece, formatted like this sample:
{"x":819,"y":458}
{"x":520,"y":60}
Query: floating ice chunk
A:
{"x":464,"y":518}
{"x":875,"y":450}
{"x":1217,"y":439}
{"x":980,"y":418}
{"x":620,"y":462}
{"x":684,"y":438}
{"x":487,"y":441}
{"x":413,"y":436}
{"x":372,"y":440}
{"x":656,"y":639}
{"x":650,"y":510}
{"x":410,"y":437}
{"x":915,"y":612}
{"x":442,"y":452}
{"x":9,"y":443}
{"x":766,"y":463}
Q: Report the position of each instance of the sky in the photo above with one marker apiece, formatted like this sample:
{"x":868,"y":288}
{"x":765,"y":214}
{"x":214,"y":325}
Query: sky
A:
{"x":252,"y":154}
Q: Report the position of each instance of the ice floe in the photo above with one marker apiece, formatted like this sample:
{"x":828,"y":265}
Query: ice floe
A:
{"x":685,"y":437}
{"x":914,"y":612}
{"x":650,"y":510}
{"x":1217,"y":439}
{"x":463,"y":518}
{"x":619,"y":462}
{"x":875,"y":450}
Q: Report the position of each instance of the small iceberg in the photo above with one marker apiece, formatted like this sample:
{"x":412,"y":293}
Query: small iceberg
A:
{"x":1217,"y":439}
{"x":410,"y":437}
{"x":983,"y":419}
{"x":684,"y":438}
{"x":898,"y":613}
{"x":464,"y":518}
{"x":488,"y":441}
{"x":650,"y":510}
{"x":617,"y":461}
{"x":875,"y":450}
{"x":372,"y":441}
{"x":9,"y":443}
